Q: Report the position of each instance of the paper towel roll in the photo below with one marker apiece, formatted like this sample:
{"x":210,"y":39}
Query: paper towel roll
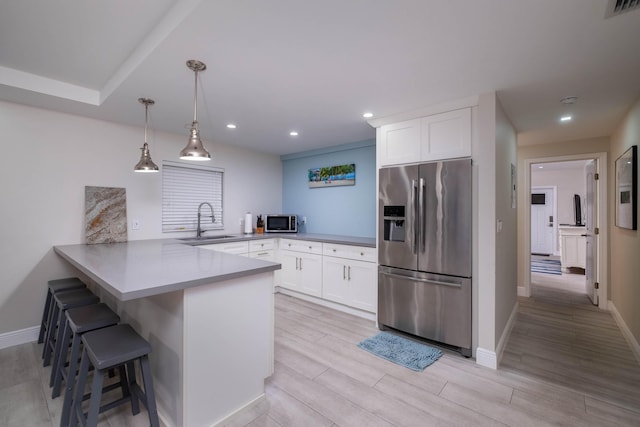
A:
{"x":248,"y":223}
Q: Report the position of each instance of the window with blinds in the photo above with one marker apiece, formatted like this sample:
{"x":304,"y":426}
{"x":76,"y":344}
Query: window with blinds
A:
{"x":184,"y":188}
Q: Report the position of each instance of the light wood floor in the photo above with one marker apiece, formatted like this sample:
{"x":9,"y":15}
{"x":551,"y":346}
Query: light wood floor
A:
{"x":566,"y":363}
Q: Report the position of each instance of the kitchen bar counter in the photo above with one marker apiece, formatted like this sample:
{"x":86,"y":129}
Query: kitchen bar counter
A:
{"x":143,"y":268}
{"x":207,"y":315}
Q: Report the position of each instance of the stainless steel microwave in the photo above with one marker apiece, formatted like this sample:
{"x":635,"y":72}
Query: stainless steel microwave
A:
{"x":280,"y":223}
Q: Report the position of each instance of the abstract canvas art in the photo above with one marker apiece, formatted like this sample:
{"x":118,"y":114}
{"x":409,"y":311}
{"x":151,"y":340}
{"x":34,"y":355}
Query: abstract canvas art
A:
{"x":105,"y":215}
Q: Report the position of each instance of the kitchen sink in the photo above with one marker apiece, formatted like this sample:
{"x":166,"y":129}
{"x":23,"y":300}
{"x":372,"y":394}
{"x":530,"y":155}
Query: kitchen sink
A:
{"x":204,"y":239}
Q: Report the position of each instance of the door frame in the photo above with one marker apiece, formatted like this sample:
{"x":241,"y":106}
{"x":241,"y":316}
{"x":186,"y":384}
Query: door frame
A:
{"x":554,"y":208}
{"x":602,"y":223}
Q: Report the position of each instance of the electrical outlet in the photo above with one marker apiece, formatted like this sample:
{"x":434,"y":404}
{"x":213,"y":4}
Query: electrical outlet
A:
{"x":135,"y":224}
{"x":304,"y":220}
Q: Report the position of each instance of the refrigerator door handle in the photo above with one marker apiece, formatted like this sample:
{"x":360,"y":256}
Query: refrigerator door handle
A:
{"x":423,"y":228}
{"x":416,"y":212}
{"x":417,"y":279}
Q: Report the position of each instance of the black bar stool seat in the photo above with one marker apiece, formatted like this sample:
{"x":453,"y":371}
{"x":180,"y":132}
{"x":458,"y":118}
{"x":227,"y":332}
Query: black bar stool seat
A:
{"x":63,"y":301}
{"x":54,"y":286}
{"x":104,"y":349}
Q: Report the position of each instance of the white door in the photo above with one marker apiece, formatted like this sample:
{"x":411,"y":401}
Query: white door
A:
{"x":591,"y":273}
{"x":542,"y":220}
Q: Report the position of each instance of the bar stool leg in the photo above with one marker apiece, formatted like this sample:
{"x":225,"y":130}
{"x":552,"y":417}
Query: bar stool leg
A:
{"x":73,"y":364}
{"x":130,"y":387}
{"x":68,"y":393}
{"x":145,"y":367}
{"x":45,"y":317}
{"x":48,"y":342}
{"x":78,"y":390}
{"x":96,"y":395}
{"x":61,"y":348}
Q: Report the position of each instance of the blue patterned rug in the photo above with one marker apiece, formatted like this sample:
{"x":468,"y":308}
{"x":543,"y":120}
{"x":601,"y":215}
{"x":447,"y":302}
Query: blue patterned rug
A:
{"x":401,"y":351}
{"x":548,"y":266}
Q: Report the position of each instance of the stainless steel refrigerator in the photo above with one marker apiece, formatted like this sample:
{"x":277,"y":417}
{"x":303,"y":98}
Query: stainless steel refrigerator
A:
{"x":424,"y":251}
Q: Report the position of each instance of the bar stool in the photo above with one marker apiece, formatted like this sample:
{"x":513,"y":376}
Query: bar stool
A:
{"x":113,"y":347}
{"x":62,"y":302}
{"x":55,"y":286}
{"x":78,"y":321}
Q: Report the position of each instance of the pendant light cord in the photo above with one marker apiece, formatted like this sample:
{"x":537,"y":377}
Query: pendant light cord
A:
{"x":146,"y":115}
{"x":195,"y":99}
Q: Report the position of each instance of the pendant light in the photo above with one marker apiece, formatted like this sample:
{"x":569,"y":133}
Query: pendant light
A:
{"x":146,"y":164}
{"x":194,"y":149}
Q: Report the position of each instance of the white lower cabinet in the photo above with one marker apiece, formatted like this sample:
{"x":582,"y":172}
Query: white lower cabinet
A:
{"x":344,"y":274}
{"x":301,"y":262}
{"x":349,"y":276}
{"x":263,"y":249}
{"x":573,"y":247}
{"x":301,"y":272}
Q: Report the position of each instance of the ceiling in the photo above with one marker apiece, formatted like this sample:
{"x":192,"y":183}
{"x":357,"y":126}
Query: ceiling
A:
{"x":315,"y":67}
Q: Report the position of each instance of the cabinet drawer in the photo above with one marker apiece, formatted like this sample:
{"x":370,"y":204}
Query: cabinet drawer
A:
{"x":261,"y":245}
{"x":301,"y":246}
{"x":362,"y":253}
{"x":240,"y":248}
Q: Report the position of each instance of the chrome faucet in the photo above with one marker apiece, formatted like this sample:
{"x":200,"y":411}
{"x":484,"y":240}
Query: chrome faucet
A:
{"x":213,"y":218}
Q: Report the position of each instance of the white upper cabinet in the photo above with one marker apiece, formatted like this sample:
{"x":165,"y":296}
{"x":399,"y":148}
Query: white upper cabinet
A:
{"x":400,"y":142}
{"x":446,"y":135}
{"x":436,"y":137}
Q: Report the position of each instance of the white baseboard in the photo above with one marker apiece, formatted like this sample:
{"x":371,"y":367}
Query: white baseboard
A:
{"x":490,"y":359}
{"x":486,"y":358}
{"x":507,"y":331}
{"x":22,"y":336}
{"x":633,"y":342}
{"x":230,"y":418}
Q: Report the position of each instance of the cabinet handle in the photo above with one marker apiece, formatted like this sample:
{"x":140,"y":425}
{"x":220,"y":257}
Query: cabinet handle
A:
{"x":344,"y":272}
{"x":361,"y":253}
{"x":334,"y":250}
{"x":349,"y":273}
{"x":300,"y":263}
{"x":310,"y":247}
{"x":297,"y":263}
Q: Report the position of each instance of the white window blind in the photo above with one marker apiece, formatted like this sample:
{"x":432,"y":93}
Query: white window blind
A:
{"x":184,"y":188}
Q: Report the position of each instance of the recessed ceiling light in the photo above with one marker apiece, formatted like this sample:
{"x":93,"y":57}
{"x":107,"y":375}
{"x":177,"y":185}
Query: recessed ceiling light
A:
{"x":293,"y":133}
{"x":367,"y":115}
{"x":231,"y":126}
{"x":565,"y":118}
{"x":540,"y":167}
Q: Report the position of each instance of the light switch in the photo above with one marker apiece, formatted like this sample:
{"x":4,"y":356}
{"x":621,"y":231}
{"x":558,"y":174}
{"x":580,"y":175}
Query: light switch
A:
{"x":499,"y":225}
{"x":135,"y":224}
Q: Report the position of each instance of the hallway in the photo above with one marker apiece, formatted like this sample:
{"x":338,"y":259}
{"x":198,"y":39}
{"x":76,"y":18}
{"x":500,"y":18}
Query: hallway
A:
{"x":561,"y":338}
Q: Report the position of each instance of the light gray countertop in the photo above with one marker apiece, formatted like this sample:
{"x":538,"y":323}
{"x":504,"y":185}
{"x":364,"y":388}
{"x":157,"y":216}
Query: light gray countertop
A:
{"x":143,"y":268}
{"x":324,"y":238}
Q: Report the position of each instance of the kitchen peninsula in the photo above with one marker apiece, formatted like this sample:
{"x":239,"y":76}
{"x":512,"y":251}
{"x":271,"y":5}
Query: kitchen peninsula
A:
{"x":208,"y":316}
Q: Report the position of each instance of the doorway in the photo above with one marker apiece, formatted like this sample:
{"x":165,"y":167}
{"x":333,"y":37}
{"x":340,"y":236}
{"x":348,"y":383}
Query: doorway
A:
{"x":566,"y":217}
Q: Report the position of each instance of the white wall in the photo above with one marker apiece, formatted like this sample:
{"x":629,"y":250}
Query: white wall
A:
{"x":493,"y":155}
{"x":50,"y":157}
{"x":568,"y":181}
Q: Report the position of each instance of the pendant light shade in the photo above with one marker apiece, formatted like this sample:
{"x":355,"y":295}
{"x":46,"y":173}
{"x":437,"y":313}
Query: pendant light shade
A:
{"x":195,"y":149}
{"x":146,"y":164}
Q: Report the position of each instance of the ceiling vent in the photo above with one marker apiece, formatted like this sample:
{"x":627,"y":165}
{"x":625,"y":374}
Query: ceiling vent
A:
{"x":617,"y":7}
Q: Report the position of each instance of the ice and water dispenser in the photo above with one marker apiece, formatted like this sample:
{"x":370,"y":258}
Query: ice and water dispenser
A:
{"x":394,"y":223}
